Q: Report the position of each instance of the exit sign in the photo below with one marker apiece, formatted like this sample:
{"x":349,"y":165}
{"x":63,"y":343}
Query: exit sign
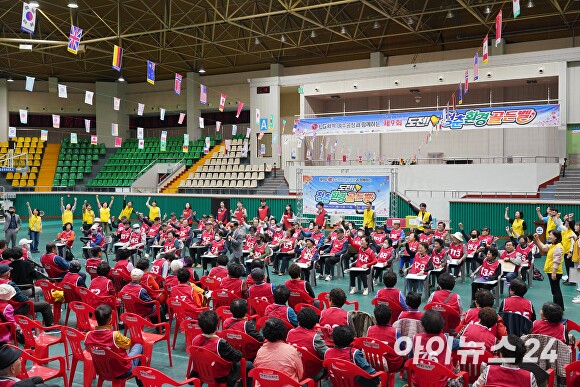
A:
{"x":263,"y":89}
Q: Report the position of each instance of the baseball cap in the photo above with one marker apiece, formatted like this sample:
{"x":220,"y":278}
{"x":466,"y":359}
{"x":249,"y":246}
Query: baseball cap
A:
{"x":8,"y":356}
{"x":136,"y":274}
{"x":136,"y":225}
{"x":24,"y":241}
{"x":4,"y":268}
{"x":6,"y":292}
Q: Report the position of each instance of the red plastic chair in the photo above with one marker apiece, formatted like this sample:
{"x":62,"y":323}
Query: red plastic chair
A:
{"x":257,"y":306}
{"x":75,"y":338}
{"x":299,"y":307}
{"x":150,"y":377}
{"x":205,"y":360}
{"x":9,"y":327}
{"x":273,"y":378}
{"x":396,"y":308}
{"x":120,"y":278}
{"x":209,"y":283}
{"x":376,"y":352}
{"x":106,"y":363}
{"x":299,"y":298}
{"x":241,"y":341}
{"x":83,"y":314}
{"x":325,"y":301}
{"x":94,"y":300}
{"x":343,"y":373}
{"x":451,"y":316}
{"x":190,"y":329}
{"x":572,"y":374}
{"x":262,"y":321}
{"x":429,"y":373}
{"x":34,"y":336}
{"x":222,"y":297}
{"x":312,"y":364}
{"x":71,"y":294}
{"x":47,"y":288}
{"x":468,"y":364}
{"x":134,"y":305}
{"x":136,"y":326}
{"x":40,"y":369}
{"x":182,"y":311}
{"x":570,"y":327}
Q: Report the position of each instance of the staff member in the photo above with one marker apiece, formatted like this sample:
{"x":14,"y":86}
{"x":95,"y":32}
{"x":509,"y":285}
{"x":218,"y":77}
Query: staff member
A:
{"x":368,"y":217}
{"x":553,"y":266}
{"x":12,"y":224}
{"x":423,"y":215}
{"x":320,"y":219}
{"x":519,"y":226}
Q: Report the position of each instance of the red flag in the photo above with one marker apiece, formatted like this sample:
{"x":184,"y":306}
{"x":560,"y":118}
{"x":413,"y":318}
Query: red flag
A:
{"x":466,"y":81}
{"x":222,"y":102}
{"x":485,"y":54}
{"x":240,"y":106}
{"x":498,"y":28}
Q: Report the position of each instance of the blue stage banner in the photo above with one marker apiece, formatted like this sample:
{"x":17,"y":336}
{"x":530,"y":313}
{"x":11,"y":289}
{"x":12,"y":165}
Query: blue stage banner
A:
{"x":460,"y":119}
{"x":340,"y":194}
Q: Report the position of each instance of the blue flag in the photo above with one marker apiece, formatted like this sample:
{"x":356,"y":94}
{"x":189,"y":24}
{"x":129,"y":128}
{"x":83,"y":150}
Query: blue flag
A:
{"x":151,"y":72}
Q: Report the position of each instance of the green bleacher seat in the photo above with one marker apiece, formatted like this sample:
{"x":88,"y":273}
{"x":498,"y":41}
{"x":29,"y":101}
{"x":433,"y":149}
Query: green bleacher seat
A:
{"x":80,"y":176}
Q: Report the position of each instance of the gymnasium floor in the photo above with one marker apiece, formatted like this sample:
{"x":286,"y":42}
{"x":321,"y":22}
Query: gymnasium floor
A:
{"x":539,"y":294}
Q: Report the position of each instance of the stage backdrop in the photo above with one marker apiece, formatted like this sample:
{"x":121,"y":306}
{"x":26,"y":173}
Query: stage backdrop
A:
{"x":340,"y":194}
{"x":460,"y":119}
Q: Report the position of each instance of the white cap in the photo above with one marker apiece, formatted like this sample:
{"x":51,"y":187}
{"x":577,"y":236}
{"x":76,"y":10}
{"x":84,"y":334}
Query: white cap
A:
{"x":458,"y":236}
{"x":136,"y":225}
{"x":176,"y":265}
{"x":6,"y":292}
{"x":24,"y":241}
{"x":136,"y":274}
{"x":97,"y":220}
{"x":396,"y":221}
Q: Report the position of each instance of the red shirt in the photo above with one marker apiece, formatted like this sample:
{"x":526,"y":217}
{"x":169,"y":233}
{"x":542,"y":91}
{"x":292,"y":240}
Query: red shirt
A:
{"x":277,"y":311}
{"x":222,"y":215}
{"x":102,"y":286}
{"x":384,"y":254}
{"x":239,"y":215}
{"x":234,"y":285}
{"x":396,"y":235}
{"x":440,"y":352}
{"x":158,"y":267}
{"x":287,"y":245}
{"x":500,"y":376}
{"x":185,"y":293}
{"x":207,"y":237}
{"x":412,"y":314}
{"x":262,"y":291}
{"x":455,"y":250}
{"x":477,"y":333}
{"x":263,"y":213}
{"x":212,"y":344}
{"x":420,"y":263}
{"x":437,"y":257}
{"x":303,"y":338}
{"x":384,"y":333}
{"x":379,"y":237}
{"x":219,"y":273}
{"x":320,"y":216}
{"x":105,"y":338}
{"x":556,"y":330}
{"x":488,"y":268}
{"x":307,"y":254}
{"x":250,"y":242}
{"x":366,"y":256}
{"x":333,"y":316}
{"x":217,"y":247}
{"x":125,"y":234}
{"x":440,"y":297}
{"x":520,"y":305}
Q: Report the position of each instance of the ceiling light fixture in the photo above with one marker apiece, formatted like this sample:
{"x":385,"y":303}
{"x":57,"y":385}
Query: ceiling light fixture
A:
{"x":530,"y":4}
{"x":25,"y":47}
{"x":343,"y":30}
{"x":313,"y":34}
{"x":410,"y":20}
{"x":121,"y":79}
{"x":257,"y":41}
{"x":72,"y":4}
{"x":10,"y":79}
{"x":283,"y":38}
{"x":201,"y":70}
{"x":376,"y":25}
{"x":487,"y":10}
{"x":450,"y":15}
{"x":33,"y":4}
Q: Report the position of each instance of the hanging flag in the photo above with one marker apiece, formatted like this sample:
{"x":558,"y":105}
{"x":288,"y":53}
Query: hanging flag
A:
{"x":222,"y":102}
{"x":498,"y":28}
{"x":55,"y":121}
{"x":28,"y":18}
{"x":163,"y":146}
{"x":62,"y":91}
{"x":23,"y":116}
{"x":141,"y":144}
{"x":283,"y":125}
{"x":476,"y":67}
{"x":89,"y":97}
{"x":228,"y":145}
{"x":44,"y":135}
{"x":207,"y":142}
{"x":185,"y":148}
{"x":74,"y":39}
{"x":73,"y":138}
{"x":116,"y":103}
{"x":185,"y":138}
{"x":87,"y":126}
{"x":248,"y":131}
{"x":117,"y":57}
{"x":11,"y":131}
{"x":162,"y":114}
{"x":260,"y":136}
{"x":151,"y":72}
{"x":240,"y":106}
{"x":118,"y":142}
{"x":516,"y":8}
{"x":203,"y":94}
{"x":177,"y":84}
{"x":234,"y":130}
{"x":258,"y":116}
{"x":201,"y":125}
{"x":460,"y":94}
{"x":140,"y":133}
{"x":271,"y":122}
{"x":466,"y":81}
{"x":218,"y":125}
{"x":293,"y":154}
{"x":114,"y":130}
{"x":164,"y":135}
{"x":485,"y":54}
{"x":93,"y":140}
{"x":181,"y":118}
{"x":140,"y":109}
{"x":29,"y":83}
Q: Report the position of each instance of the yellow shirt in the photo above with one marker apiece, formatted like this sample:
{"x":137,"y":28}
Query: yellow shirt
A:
{"x":576,"y":252}
{"x":551,"y":225}
{"x":368,"y":218}
{"x":550,"y":260}
{"x":67,"y":217}
{"x":127,"y":211}
{"x":105,"y":214}
{"x":154,"y":212}
{"x":566,"y":241}
{"x":518,"y":226}
{"x":88,"y":216}
{"x":35,"y":223}
{"x":425,"y":219}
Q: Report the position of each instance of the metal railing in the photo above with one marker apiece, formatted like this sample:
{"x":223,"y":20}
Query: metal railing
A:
{"x":458,"y":194}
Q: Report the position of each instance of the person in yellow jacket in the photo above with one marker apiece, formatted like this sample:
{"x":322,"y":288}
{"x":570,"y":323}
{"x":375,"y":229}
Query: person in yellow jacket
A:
{"x":519,"y":226}
{"x":368,"y":217}
{"x":154,"y":211}
{"x":34,"y":227}
{"x":67,"y":211}
{"x":88,"y":217}
{"x":553,"y":265}
{"x":423,"y":216}
{"x":127,"y":208}
{"x":105,"y":214}
{"x":552,"y":219}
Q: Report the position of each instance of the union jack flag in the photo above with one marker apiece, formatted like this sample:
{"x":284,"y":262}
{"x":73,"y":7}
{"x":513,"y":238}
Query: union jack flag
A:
{"x":74,"y":39}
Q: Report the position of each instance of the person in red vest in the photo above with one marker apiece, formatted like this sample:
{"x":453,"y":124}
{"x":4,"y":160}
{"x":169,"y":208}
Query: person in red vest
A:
{"x":74,"y":276}
{"x":102,"y":285}
{"x":279,"y":309}
{"x":365,"y":260}
{"x":233,"y":282}
{"x":229,"y":374}
{"x":343,"y":336}
{"x":93,"y":261}
{"x":444,"y":294}
{"x":390,"y":292}
{"x":55,"y":265}
{"x":261,"y":289}
{"x":516,"y":303}
{"x":511,"y":255}
{"x":239,"y":322}
{"x":508,"y":373}
{"x":550,"y":322}
{"x":220,"y":271}
{"x":306,"y":336}
{"x":384,"y":332}
{"x":105,"y":336}
{"x":480,"y":332}
{"x":222,"y":214}
{"x":295,"y":284}
{"x":483,"y":298}
{"x":332,"y":254}
{"x":320,"y":218}
{"x":413,"y":301}
{"x":488,"y":271}
{"x":184,"y":291}
{"x":335,"y":315}
{"x":240,"y":214}
{"x":263,"y":211}
{"x":135,"y":289}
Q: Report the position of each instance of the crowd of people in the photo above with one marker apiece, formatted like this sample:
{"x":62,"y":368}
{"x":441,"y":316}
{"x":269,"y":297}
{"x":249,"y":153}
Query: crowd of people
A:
{"x":163,"y":258}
